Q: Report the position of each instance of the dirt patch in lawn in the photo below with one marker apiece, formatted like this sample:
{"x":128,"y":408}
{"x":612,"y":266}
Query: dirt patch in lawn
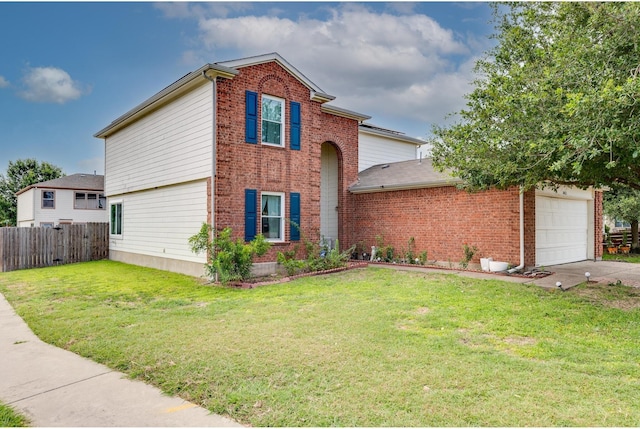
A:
{"x":611,"y":295}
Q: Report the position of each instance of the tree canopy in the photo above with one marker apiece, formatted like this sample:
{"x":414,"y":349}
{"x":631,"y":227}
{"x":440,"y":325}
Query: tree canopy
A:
{"x":556,"y":100}
{"x":20,"y":174}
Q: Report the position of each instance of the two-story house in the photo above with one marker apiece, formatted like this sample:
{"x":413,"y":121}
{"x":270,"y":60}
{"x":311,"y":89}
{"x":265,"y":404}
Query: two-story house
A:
{"x":246,"y":144}
{"x":253,"y":144}
{"x":78,"y":198}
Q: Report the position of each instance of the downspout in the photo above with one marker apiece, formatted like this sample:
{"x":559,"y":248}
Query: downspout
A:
{"x":213,"y":157}
{"x":521,"y":266}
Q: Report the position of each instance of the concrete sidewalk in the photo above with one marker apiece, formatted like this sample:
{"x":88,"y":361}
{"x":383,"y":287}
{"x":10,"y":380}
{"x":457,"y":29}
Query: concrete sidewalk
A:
{"x":54,"y":387}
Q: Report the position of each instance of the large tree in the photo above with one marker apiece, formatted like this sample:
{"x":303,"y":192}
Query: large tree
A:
{"x":557,"y":100}
{"x":20,"y":174}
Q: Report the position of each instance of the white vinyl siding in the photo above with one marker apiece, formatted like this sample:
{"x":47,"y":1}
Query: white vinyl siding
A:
{"x":159,"y":222}
{"x":171,"y":145}
{"x":26,"y":207}
{"x":374,"y":150}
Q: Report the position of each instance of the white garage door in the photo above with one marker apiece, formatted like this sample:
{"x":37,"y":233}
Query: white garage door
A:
{"x":561,"y":230}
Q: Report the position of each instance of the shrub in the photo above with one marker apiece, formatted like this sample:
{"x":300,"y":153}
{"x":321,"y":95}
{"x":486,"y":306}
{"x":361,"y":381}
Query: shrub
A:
{"x":229,"y":260}
{"x":468,"y":255}
{"x":319,"y":257}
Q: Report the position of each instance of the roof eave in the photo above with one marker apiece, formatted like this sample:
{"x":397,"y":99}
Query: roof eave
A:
{"x":316,"y":93}
{"x":338,"y":111}
{"x":399,"y":137}
{"x":182,"y":85}
{"x":402,"y":187}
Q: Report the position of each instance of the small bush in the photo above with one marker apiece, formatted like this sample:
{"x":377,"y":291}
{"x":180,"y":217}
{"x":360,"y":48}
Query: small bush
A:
{"x":229,"y":260}
{"x":468,"y":255}
{"x":319,"y":257}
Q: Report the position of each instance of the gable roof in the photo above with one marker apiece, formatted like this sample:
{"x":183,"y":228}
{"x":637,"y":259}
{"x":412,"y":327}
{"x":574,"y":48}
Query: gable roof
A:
{"x":317,"y":94}
{"x":391,"y":134}
{"x":77,"y":182}
{"x":395,"y":176}
{"x":227,"y":70}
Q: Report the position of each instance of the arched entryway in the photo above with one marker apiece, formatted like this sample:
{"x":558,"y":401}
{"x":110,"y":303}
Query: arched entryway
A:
{"x":329,"y":192}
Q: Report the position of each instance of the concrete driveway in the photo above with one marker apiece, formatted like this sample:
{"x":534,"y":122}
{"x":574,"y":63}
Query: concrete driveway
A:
{"x":568,"y":274}
{"x":601,"y":272}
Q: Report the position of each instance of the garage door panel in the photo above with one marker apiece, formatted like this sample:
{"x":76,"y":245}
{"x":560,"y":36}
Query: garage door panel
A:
{"x":561,"y":230}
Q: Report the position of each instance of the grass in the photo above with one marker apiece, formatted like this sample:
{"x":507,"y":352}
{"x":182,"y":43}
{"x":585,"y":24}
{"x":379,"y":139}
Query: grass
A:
{"x":368,"y":347}
{"x":11,"y":419}
{"x":633,"y":258}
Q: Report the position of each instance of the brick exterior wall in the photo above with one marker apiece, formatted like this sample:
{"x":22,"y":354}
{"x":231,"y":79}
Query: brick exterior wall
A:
{"x":598,"y":216}
{"x":443,"y":219}
{"x":241,"y":165}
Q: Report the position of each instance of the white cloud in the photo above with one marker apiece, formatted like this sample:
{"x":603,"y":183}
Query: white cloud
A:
{"x":50,"y":85}
{"x":381,"y":64}
{"x":3,"y":82}
{"x":201,"y":10}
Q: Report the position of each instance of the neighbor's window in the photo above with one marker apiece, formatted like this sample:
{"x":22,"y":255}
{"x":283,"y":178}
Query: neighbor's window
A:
{"x":622,"y":224}
{"x":272,"y":220}
{"x":89,"y":201}
{"x":46,"y":224}
{"x":272,"y":120}
{"x":116,"y":219}
{"x":48,"y":199}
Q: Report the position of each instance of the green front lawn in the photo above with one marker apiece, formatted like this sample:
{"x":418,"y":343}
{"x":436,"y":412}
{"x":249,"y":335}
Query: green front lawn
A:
{"x":11,"y":419}
{"x":633,"y":258}
{"x":366,"y":347}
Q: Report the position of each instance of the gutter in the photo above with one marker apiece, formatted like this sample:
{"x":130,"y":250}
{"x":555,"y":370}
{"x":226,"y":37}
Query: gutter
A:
{"x":521,"y":266}
{"x":167,"y":94}
{"x":401,"y":187}
{"x":213,"y":155}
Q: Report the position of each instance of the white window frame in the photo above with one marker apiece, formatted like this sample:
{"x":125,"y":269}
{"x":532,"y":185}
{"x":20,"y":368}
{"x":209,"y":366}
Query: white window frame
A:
{"x":42,"y":200}
{"x":111,"y":226}
{"x":100,"y":200}
{"x":279,"y":239}
{"x":282,"y":120}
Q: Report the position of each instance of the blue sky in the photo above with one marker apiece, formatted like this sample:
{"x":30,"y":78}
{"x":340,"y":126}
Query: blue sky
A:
{"x":69,"y":69}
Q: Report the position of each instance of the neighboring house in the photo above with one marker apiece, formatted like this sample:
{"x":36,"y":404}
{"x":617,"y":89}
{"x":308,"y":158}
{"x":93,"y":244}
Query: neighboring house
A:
{"x":380,"y":145}
{"x":397,"y":201}
{"x":246,"y":144}
{"x":78,"y":198}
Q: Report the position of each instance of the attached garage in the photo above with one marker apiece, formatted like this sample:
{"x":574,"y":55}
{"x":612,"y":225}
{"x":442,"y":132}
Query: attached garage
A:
{"x":564,"y":226}
{"x":409,"y":203}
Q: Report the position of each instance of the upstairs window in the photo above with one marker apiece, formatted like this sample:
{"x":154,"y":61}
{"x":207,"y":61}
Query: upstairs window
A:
{"x":91,"y":201}
{"x":48,"y":199}
{"x":272,"y":120}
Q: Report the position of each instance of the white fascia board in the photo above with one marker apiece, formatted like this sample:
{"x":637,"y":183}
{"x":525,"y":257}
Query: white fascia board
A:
{"x":404,"y":187}
{"x":171,"y":92}
{"x":399,"y":137}
{"x":339,"y":111}
{"x":316,"y":93}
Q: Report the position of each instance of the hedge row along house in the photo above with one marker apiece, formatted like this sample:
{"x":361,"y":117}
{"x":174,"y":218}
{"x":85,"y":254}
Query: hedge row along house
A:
{"x":253,"y":144}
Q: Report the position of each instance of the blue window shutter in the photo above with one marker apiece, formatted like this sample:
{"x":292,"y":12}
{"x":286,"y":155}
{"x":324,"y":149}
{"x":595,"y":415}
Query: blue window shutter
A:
{"x":294,"y":129}
{"x":251,"y":117}
{"x":250,"y":214}
{"x":294,"y":215}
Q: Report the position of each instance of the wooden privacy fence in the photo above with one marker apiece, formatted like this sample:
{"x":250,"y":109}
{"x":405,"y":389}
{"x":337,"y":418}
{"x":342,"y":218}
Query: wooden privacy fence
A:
{"x":43,"y":247}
